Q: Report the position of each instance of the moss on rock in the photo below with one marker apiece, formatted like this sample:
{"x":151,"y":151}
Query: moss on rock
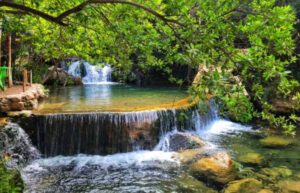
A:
{"x":247,"y":185}
{"x":275,"y":142}
{"x":251,"y":158}
{"x":289,"y":186}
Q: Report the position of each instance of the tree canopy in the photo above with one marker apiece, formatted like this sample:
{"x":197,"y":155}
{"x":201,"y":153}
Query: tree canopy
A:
{"x":242,"y":47}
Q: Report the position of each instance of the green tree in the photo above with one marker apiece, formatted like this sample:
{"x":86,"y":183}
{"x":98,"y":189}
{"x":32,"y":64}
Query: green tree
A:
{"x":242,"y":47}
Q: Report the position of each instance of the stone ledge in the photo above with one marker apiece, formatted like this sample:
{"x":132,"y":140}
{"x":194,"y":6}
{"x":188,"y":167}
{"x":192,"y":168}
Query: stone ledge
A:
{"x":27,"y":100}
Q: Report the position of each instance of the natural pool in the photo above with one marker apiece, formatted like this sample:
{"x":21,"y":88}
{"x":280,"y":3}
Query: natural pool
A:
{"x":109,"y":98}
{"x":107,"y":141}
{"x":160,"y":170}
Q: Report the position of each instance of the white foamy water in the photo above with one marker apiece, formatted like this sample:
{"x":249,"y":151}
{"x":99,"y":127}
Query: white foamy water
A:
{"x":126,"y":172}
{"x":94,"y":74}
{"x":222,"y":126}
{"x":121,"y":160}
{"x":138,"y":171}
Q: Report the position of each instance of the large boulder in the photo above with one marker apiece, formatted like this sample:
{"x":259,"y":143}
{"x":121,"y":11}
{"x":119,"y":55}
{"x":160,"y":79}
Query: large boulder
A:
{"x":218,"y":168}
{"x":59,"y":76}
{"x":275,"y":142}
{"x":247,"y":185}
{"x":181,"y":141}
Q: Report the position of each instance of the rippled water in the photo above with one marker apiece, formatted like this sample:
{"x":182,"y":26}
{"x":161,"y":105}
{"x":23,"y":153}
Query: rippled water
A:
{"x":157,"y":171}
{"x":129,"y":172}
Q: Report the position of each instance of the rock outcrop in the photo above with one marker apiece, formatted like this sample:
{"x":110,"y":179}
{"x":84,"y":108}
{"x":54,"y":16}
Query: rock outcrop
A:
{"x":59,"y":76}
{"x":15,"y":146}
{"x":183,"y":141}
{"x":27,"y":100}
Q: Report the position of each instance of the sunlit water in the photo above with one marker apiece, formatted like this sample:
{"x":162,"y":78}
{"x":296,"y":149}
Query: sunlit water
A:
{"x":153,"y":171}
{"x":108,"y":97}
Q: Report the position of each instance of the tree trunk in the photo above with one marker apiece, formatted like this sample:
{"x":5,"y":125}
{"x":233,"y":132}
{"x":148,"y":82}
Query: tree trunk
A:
{"x":9,"y":59}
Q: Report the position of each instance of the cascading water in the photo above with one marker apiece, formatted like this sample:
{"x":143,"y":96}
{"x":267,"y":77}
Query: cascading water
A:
{"x":108,"y":133}
{"x":16,"y":143}
{"x":100,"y":133}
{"x":91,"y":74}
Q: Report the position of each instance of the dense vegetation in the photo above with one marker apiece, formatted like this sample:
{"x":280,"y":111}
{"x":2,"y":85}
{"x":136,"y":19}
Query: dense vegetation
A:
{"x":242,"y":49}
{"x":10,"y":180}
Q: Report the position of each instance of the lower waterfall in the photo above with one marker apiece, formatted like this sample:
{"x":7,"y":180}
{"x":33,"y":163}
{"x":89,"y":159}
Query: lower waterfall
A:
{"x":108,"y":133}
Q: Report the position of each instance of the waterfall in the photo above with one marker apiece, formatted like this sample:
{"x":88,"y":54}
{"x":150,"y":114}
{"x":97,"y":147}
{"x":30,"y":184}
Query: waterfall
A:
{"x":108,"y":132}
{"x":91,"y":74}
{"x":16,"y":143}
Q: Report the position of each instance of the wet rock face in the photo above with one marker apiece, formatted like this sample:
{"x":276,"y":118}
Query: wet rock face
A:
{"x":218,"y":168}
{"x":15,"y":146}
{"x":183,"y":141}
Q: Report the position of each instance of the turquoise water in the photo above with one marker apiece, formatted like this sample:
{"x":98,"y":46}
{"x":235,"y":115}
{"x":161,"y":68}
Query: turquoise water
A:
{"x":109,"y":97}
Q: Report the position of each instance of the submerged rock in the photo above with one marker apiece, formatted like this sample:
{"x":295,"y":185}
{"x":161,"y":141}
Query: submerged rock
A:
{"x":275,"y":142}
{"x":274,"y":173}
{"x":192,"y":185}
{"x":266,"y":191}
{"x":218,"y":168}
{"x":289,"y":186}
{"x":190,"y":154}
{"x":247,"y":185}
{"x":251,"y":158}
{"x":182,"y":141}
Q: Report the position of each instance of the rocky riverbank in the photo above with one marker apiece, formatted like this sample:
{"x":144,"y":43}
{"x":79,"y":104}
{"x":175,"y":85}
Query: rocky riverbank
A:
{"x":17,"y":100}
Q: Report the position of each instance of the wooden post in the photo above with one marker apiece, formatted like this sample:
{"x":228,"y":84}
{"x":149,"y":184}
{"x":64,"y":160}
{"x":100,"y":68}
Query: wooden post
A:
{"x":24,"y":80}
{"x":30,"y":76}
{"x":9,"y":59}
{"x":1,"y":43}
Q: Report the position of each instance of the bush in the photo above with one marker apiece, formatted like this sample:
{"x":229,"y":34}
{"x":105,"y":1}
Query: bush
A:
{"x":10,"y":180}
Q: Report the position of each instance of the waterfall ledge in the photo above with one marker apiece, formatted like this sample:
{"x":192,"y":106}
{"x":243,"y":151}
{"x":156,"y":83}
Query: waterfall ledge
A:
{"x":110,"y":132}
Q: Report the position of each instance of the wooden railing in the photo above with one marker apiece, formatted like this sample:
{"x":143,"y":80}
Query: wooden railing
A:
{"x":25,"y":79}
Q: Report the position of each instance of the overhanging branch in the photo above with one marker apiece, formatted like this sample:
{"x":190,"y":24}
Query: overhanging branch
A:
{"x":59,"y":19}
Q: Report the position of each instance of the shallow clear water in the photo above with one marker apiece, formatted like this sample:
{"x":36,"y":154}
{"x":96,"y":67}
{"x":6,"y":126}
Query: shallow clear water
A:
{"x":109,"y":97}
{"x":159,"y":171}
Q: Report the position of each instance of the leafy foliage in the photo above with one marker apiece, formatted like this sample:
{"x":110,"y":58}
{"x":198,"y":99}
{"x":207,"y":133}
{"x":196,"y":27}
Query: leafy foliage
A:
{"x":241,"y":47}
{"x":10,"y":180}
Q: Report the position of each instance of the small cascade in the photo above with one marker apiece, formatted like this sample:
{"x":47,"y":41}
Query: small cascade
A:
{"x":16,"y":143}
{"x":108,"y":133}
{"x":91,"y":74}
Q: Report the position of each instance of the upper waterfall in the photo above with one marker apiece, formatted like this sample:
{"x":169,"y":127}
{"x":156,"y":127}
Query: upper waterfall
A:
{"x":91,"y":74}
